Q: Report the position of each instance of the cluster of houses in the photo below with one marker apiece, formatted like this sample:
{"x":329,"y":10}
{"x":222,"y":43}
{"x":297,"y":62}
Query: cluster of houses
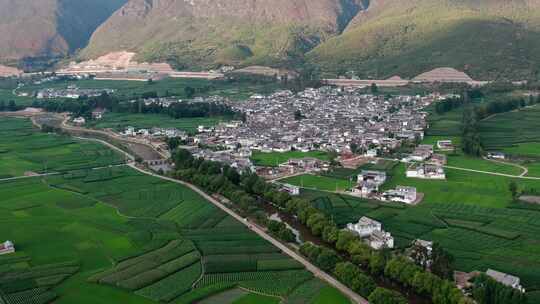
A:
{"x":372,"y":233}
{"x":369,"y":183}
{"x":332,"y":119}
{"x":154,"y":133}
{"x":72,"y":92}
{"x":464,"y":280}
{"x":166,"y":102}
{"x":7,"y":247}
{"x":426,"y":164}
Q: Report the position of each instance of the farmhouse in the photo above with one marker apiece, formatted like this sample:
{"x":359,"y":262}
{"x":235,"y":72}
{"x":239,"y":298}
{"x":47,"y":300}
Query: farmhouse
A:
{"x":445,"y":145}
{"x":376,"y":177}
{"x":402,"y":194}
{"x":369,"y":182}
{"x":291,"y":189}
{"x":496,"y":155}
{"x":365,"y":227}
{"x":505,"y":279}
{"x":79,"y":121}
{"x":426,"y":171}
{"x":422,"y":153}
{"x":426,"y":247}
{"x":380,"y":239}
{"x":98,"y":113}
{"x":438,"y":159}
{"x":7,"y":247}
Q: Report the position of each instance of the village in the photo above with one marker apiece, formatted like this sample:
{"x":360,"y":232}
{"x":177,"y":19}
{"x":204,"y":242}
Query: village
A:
{"x":71,"y":92}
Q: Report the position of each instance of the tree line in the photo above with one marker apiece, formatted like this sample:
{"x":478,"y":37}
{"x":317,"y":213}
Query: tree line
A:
{"x":84,"y":106}
{"x":248,"y":192}
{"x":10,"y":106}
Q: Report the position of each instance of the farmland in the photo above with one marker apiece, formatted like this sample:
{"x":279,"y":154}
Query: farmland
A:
{"x":513,"y":132}
{"x":470,"y":214}
{"x":317,"y":182}
{"x":24,"y":149}
{"x":273,"y":159}
{"x":114,"y":234}
{"x":170,"y":86}
{"x":119,"y":121}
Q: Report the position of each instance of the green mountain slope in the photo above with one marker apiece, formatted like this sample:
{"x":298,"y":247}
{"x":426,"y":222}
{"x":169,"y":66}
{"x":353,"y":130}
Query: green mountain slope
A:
{"x":206,"y":33}
{"x":488,"y":39}
{"x":48,"y":28}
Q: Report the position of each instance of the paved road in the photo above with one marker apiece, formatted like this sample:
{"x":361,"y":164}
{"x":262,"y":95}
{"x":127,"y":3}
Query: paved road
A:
{"x":261,"y":232}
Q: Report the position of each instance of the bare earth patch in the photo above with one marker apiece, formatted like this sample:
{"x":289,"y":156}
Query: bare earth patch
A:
{"x":6,"y":71}
{"x":530,"y":199}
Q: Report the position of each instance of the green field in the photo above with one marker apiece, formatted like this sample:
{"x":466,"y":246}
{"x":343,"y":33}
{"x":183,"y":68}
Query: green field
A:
{"x":119,"y":121}
{"x":319,"y":182}
{"x":513,"y":132}
{"x":458,"y":159}
{"x":169,"y":86}
{"x":116,"y":235}
{"x":23,"y":148}
{"x":273,"y":159}
{"x":470,"y":214}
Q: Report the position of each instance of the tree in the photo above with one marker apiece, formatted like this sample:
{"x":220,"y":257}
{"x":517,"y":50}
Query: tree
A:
{"x":374,"y":88}
{"x":443,"y":262}
{"x":386,"y":296}
{"x":189,"y":91}
{"x":345,"y":238}
{"x":12,"y":106}
{"x":513,"y":187}
{"x":298,"y":115}
{"x":420,"y":255}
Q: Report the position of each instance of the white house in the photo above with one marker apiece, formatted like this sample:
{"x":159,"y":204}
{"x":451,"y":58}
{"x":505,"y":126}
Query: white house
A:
{"x":291,"y":189}
{"x":445,"y":145}
{"x":426,"y":171}
{"x":365,"y":227}
{"x":381,"y":239}
{"x":371,"y":153}
{"x":79,"y":121}
{"x":496,"y":155}
{"x":7,"y":247}
{"x":376,"y":177}
{"x":402,"y":194}
{"x":505,"y":279}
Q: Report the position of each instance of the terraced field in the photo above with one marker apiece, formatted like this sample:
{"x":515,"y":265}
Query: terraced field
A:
{"x":116,"y":235}
{"x":471,"y":214}
{"x":24,"y":149}
{"x":513,"y":132}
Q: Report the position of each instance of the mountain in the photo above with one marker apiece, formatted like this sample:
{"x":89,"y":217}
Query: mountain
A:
{"x":206,"y":33}
{"x":488,"y":39}
{"x":49,"y":28}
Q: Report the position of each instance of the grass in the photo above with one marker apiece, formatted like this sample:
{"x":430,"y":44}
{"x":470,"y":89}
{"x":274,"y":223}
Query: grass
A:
{"x":273,"y":159}
{"x":318,"y":182}
{"x":119,"y":121}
